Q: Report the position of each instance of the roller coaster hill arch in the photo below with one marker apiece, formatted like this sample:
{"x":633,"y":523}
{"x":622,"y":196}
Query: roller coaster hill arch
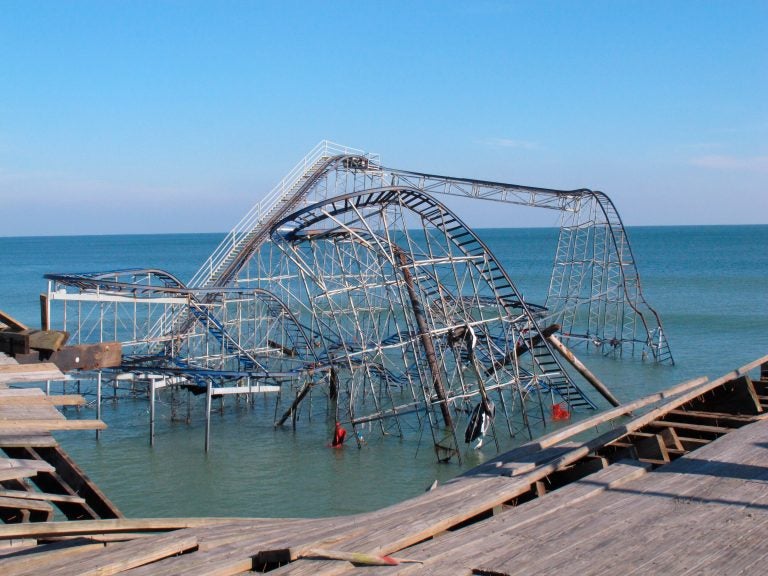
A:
{"x":354,"y":282}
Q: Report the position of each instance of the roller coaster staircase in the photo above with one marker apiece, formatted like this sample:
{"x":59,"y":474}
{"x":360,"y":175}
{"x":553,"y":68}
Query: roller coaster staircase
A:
{"x":250,"y":233}
{"x":552,"y":376}
{"x":554,"y":380}
{"x":246,"y":237}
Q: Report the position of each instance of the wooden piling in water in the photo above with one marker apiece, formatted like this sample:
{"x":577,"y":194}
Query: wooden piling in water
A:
{"x":426,"y":341}
{"x":208,"y":398}
{"x":583,"y":370}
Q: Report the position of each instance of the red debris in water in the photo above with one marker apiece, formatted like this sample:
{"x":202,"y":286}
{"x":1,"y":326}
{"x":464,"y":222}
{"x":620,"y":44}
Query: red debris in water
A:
{"x":559,"y":412}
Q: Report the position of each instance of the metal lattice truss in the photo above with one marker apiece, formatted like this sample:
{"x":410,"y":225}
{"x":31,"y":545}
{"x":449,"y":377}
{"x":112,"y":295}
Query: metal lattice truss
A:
{"x":595,"y":292}
{"x":354,"y":278}
{"x":231,"y":333}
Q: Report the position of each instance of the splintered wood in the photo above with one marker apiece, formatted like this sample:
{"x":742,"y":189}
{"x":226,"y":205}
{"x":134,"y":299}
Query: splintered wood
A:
{"x":636,"y":500}
{"x":37,"y":477}
{"x":29,"y":372}
{"x":17,"y":338}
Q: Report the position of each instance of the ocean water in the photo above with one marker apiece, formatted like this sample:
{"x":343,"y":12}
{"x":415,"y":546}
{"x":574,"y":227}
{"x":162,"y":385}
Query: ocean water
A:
{"x":708,"y":283}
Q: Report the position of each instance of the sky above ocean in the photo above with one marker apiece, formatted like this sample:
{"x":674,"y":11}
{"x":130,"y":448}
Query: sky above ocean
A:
{"x":152,"y":117}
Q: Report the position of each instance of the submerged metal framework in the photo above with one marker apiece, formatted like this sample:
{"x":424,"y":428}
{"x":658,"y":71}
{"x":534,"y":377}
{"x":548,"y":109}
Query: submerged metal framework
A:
{"x":352,"y":278}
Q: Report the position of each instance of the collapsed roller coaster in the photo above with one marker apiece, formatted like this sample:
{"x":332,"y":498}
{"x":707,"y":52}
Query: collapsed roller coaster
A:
{"x":353,"y":279}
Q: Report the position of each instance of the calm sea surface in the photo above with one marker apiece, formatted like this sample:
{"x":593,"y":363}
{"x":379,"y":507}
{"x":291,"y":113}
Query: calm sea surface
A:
{"x":710,"y":285}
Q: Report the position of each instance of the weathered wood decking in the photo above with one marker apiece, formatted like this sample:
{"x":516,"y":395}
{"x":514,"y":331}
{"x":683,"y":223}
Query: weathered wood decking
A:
{"x":37,"y":475}
{"x":702,"y":514}
{"x":681,"y":488}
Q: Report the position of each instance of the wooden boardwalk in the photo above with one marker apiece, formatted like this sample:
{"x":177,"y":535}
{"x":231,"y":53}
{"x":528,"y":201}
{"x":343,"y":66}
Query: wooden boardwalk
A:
{"x":681,"y":488}
{"x":705,"y":513}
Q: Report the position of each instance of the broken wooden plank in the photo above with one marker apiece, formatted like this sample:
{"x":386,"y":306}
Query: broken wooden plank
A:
{"x":53,"y":400}
{"x":83,"y":356}
{"x":693,"y":443}
{"x":48,"y":340}
{"x":27,"y":504}
{"x":49,"y":424}
{"x":14,"y":343}
{"x":66,"y":399}
{"x":29,"y":372}
{"x":650,"y":448}
{"x":691,"y":427}
{"x":671,"y":439}
{"x":17,"y":473}
{"x":45,"y":321}
{"x":104,"y":538}
{"x":354,"y":557}
{"x":707,"y":415}
{"x":11,"y":322}
{"x":38,"y":465}
{"x":24,"y":341}
{"x":116,"y":525}
{"x":126,"y":555}
{"x":33,"y":495}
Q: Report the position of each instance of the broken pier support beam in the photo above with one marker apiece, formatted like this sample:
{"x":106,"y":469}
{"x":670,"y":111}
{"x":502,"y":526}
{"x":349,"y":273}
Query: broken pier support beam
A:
{"x":426,"y":340}
{"x":291,"y":412}
{"x":583,"y":370}
{"x":79,"y":356}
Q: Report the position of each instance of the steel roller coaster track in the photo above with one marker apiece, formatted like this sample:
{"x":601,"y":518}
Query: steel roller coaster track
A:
{"x":352,"y":278}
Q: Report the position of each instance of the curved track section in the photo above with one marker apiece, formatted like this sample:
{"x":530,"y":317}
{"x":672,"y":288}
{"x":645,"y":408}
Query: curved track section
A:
{"x":136,"y":280}
{"x":396,"y":277}
{"x":595,"y":291}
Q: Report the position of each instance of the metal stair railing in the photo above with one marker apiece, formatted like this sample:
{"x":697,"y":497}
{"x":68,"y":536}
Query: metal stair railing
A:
{"x":239,"y":234}
{"x":240,"y":243}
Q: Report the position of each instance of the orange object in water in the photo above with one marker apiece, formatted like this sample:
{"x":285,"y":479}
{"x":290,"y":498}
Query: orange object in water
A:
{"x":559,"y":412}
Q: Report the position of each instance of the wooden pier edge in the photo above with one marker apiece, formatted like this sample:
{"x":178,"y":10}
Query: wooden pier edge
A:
{"x":36,"y":474}
{"x":531,"y":485}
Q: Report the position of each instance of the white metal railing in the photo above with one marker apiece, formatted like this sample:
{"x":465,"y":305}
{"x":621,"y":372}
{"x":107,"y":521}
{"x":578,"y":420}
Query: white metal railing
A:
{"x":255,"y":215}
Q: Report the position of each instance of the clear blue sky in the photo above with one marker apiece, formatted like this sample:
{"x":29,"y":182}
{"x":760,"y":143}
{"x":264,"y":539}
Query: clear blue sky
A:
{"x":133,"y":117}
